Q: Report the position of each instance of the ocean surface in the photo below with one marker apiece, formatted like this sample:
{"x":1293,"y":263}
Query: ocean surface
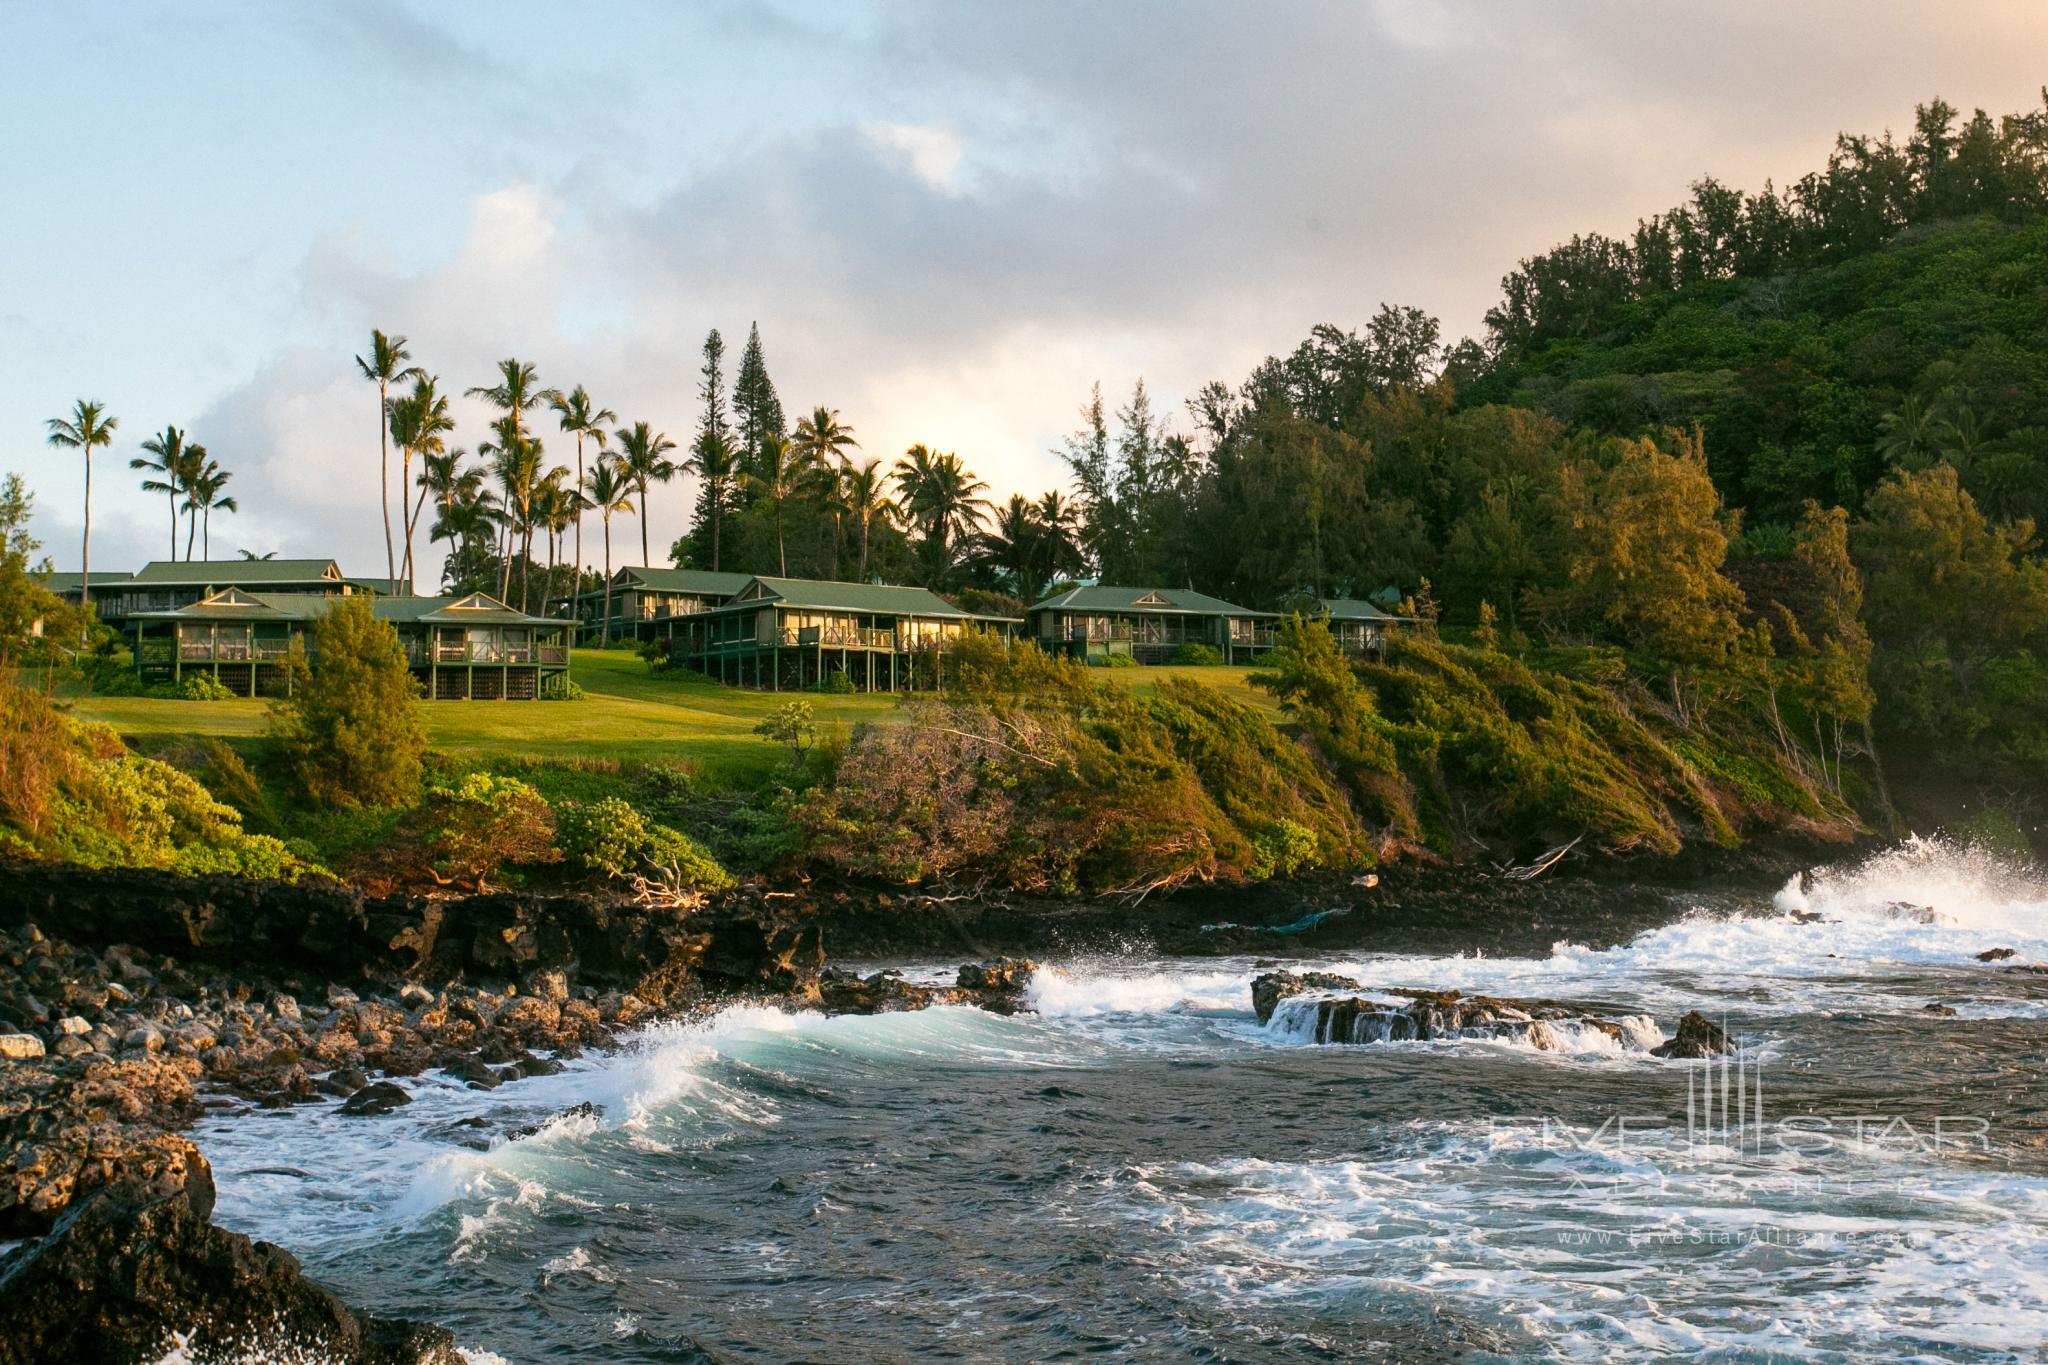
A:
{"x":1139,"y":1170}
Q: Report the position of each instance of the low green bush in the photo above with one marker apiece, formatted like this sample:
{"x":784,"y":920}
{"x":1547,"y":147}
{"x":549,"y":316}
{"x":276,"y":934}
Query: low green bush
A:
{"x":482,"y":825}
{"x":835,"y":683}
{"x":561,"y":688}
{"x":204,"y":687}
{"x":1115,"y":661}
{"x":611,"y":837}
{"x":1195,"y":653}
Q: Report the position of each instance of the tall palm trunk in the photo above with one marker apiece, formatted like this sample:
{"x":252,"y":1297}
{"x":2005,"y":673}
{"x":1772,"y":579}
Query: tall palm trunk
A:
{"x":384,"y":476}
{"x":864,"y":520}
{"x":644,"y":560}
{"x":172,"y":498}
{"x":579,"y":510}
{"x":85,"y":549}
{"x":191,"y":530}
{"x":607,"y":637}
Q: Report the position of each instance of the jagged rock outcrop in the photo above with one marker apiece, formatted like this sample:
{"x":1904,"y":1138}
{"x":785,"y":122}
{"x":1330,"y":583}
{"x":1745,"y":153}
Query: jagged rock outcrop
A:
{"x":661,"y":954}
{"x":1315,"y":1005}
{"x":1697,"y":1036}
{"x":997,"y":986}
{"x":130,"y":1271}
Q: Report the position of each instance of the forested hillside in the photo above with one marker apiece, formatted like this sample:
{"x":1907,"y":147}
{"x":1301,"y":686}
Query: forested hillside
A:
{"x":1782,"y":448}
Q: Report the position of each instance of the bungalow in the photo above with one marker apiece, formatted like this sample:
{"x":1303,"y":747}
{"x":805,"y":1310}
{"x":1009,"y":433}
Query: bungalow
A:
{"x":1148,"y":624}
{"x":1358,"y":626}
{"x":794,"y":632}
{"x":646,"y":602}
{"x":460,"y":648}
{"x":168,"y":584}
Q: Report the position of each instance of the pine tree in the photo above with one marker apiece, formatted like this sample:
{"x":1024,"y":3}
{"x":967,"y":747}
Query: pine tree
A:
{"x":757,"y":412}
{"x":716,"y":495}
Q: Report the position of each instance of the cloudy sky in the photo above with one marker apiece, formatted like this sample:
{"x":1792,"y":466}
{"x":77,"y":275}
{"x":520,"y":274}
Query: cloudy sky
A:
{"x":947,"y":218}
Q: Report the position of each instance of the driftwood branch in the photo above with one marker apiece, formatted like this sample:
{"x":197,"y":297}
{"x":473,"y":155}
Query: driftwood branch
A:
{"x":1542,"y":864}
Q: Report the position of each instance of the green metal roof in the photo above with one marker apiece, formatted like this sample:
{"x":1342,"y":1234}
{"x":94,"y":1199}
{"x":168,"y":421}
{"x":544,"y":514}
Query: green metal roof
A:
{"x":70,"y":580}
{"x":880,"y":599}
{"x":703,"y":582}
{"x":1351,"y":609}
{"x":1152,"y":601}
{"x":239,"y":604}
{"x":222,"y":573}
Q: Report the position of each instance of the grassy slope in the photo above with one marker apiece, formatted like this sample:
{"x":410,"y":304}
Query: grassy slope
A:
{"x":628,"y":713}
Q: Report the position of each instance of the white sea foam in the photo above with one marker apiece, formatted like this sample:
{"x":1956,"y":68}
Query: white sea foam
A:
{"x":1586,"y":1247}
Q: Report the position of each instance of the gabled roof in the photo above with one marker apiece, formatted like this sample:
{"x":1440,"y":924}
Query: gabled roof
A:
{"x":471,"y":609}
{"x":880,"y":599}
{"x":703,"y":582}
{"x":1150,"y":601}
{"x":240,"y":604}
{"x":219,"y":573}
{"x":1351,"y":609}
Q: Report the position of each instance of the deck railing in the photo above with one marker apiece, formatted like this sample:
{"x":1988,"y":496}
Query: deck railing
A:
{"x":845,"y":637}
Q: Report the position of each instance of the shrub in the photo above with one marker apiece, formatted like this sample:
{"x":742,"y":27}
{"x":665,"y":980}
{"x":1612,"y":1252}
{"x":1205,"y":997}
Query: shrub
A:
{"x":611,"y":837}
{"x":1196,"y":653}
{"x":351,"y":729}
{"x":480,"y":824}
{"x":561,"y":687}
{"x":75,"y":794}
{"x":791,"y":725}
{"x":1115,"y":661}
{"x":204,"y":687}
{"x":836,"y":683}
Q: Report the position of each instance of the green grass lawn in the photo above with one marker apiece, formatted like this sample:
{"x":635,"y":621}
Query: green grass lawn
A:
{"x":627,"y":712}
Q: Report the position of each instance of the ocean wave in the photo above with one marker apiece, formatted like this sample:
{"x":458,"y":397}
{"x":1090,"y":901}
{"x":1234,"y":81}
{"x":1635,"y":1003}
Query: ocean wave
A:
{"x":1583,"y":1246}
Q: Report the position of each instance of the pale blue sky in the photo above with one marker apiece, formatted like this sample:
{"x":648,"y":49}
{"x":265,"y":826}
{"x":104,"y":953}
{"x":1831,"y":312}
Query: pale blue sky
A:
{"x":948,"y":218}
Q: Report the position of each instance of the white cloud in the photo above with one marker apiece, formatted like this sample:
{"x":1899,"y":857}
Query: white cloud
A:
{"x":931,"y":152}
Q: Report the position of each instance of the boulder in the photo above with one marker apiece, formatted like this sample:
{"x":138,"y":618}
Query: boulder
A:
{"x":1994,"y":954}
{"x":20,"y":1047}
{"x":380,"y":1097}
{"x":124,"y":1276}
{"x":1698,"y":1036}
{"x":1273,"y":987}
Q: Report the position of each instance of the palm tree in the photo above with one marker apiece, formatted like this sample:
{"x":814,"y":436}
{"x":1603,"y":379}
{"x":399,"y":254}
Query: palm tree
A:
{"x":643,"y":459}
{"x":516,"y":464}
{"x":1015,"y":547}
{"x":554,"y":506}
{"x":386,"y":366}
{"x":419,"y":425}
{"x":1909,"y":437}
{"x":205,"y":493}
{"x":581,"y":418}
{"x":86,"y":429}
{"x":823,"y":440}
{"x":942,"y":498}
{"x":711,"y":459}
{"x":779,"y":473}
{"x":169,"y":450}
{"x":1059,"y":528}
{"x":608,"y":491}
{"x":252,"y":555}
{"x":865,"y":494}
{"x":516,"y":393}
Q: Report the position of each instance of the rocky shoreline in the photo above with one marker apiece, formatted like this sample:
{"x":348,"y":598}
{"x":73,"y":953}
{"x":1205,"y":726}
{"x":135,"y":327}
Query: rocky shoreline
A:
{"x":131,"y":1003}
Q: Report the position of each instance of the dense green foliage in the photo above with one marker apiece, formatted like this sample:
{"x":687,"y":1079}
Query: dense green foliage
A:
{"x":610,"y":836}
{"x":1448,"y":744}
{"x":351,"y":728}
{"x":74,"y":793}
{"x":1029,"y":773}
{"x":481,"y":823}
